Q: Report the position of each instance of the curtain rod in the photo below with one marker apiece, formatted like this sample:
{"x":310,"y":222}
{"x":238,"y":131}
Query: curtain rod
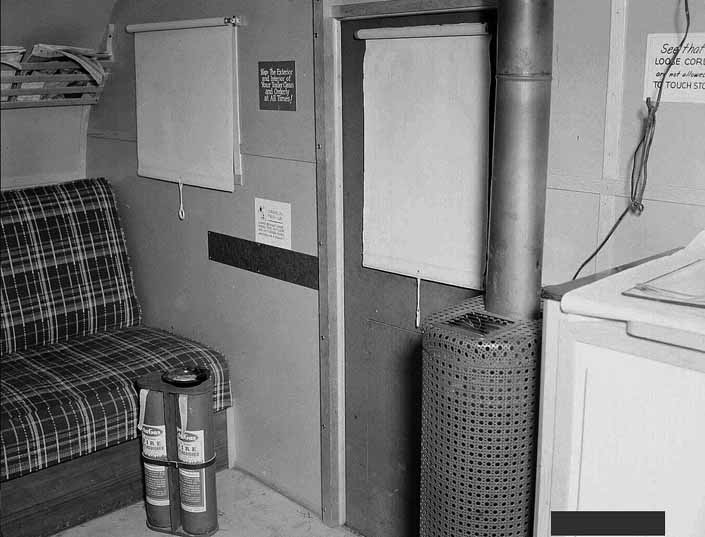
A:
{"x":183,"y":24}
{"x":438,"y":30}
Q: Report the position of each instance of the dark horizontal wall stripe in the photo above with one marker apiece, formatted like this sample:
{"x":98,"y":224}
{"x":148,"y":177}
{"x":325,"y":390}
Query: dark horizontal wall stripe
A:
{"x":279,"y":263}
{"x":608,"y":523}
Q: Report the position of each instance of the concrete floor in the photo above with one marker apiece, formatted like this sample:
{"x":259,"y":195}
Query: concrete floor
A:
{"x":246,"y":508}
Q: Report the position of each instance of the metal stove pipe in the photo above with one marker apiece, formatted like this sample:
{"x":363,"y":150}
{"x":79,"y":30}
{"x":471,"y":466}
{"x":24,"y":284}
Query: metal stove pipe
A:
{"x":519,"y":162}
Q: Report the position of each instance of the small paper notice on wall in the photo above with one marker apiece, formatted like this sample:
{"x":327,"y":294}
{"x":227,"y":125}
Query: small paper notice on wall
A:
{"x":685,"y":82}
{"x":273,"y":223}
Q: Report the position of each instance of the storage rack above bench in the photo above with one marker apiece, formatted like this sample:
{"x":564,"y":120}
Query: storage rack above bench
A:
{"x":46,"y":96}
{"x":50,"y":83}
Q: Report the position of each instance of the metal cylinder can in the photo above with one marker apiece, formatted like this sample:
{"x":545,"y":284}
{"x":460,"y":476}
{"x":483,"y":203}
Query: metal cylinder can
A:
{"x":156,"y":477}
{"x":199,"y":511}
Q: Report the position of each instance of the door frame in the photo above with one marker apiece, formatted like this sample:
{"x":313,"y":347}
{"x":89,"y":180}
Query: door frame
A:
{"x":327,"y":18}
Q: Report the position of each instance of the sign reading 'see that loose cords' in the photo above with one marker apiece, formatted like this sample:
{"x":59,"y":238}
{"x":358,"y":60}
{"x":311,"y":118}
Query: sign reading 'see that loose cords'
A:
{"x":685,"y":82}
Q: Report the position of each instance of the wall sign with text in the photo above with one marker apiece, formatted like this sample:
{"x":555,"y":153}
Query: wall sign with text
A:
{"x":685,"y":82}
{"x":273,"y":223}
{"x":277,"y":85}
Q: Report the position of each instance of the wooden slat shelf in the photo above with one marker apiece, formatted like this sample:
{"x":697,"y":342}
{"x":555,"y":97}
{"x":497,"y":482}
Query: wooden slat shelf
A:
{"x":50,"y":66}
{"x":52,"y":91}
{"x":35,"y":86}
{"x":42,"y":104}
{"x":8,"y":77}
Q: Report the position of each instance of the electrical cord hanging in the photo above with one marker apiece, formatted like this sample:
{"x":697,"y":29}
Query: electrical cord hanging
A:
{"x":640,"y":158}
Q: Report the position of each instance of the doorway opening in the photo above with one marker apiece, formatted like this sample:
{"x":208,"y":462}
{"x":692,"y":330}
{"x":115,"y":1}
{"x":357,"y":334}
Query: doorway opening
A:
{"x":382,"y":343}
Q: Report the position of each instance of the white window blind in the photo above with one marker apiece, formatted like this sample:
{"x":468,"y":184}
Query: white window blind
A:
{"x":426,"y":112}
{"x":187,"y":106}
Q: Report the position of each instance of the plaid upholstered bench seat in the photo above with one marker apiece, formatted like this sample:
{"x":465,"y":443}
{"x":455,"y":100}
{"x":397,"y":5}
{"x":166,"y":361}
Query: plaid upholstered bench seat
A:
{"x":73,"y":346}
{"x":65,"y":400}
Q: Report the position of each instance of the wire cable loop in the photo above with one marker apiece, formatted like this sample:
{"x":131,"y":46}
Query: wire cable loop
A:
{"x":640,"y":157}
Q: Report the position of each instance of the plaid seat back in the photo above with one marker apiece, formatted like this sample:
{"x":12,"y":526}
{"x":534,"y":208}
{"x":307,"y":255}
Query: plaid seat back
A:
{"x":65,"y":270}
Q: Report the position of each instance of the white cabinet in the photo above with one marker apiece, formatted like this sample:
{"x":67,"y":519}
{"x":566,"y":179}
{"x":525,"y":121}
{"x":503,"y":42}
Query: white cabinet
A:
{"x":622,"y":422}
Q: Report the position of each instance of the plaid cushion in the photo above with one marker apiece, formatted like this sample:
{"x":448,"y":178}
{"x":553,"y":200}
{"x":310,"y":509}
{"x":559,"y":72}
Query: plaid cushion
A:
{"x":65,"y":270}
{"x":69,"y":399}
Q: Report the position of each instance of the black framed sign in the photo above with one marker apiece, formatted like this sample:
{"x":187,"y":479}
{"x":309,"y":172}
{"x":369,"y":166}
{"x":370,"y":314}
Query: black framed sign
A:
{"x":277,"y":85}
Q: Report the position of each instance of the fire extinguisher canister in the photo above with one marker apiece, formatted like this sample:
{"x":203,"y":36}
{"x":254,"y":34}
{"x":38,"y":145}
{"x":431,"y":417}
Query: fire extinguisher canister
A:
{"x":156,"y":477}
{"x":199,"y":512}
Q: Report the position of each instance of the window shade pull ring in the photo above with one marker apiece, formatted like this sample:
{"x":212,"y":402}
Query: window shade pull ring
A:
{"x":182,"y":214}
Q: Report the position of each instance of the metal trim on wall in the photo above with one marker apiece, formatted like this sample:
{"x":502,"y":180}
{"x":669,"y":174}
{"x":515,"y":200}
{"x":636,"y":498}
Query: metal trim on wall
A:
{"x":331,"y":367}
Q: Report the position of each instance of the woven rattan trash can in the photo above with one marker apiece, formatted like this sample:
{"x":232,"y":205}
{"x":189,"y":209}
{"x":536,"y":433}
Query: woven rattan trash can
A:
{"x":479,"y":414}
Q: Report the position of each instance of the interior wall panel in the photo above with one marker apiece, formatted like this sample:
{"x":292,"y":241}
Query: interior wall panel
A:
{"x":266,"y":327}
{"x":277,"y":31}
{"x":272,"y":31}
{"x":27,"y":22}
{"x":43,"y":145}
{"x":580,"y":55}
{"x":571,"y":227}
{"x":579,"y":116}
{"x":661,"y":227}
{"x":282,"y":180}
{"x":677,"y":156}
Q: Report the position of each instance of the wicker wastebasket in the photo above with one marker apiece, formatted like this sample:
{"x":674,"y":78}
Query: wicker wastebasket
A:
{"x":479,"y":416}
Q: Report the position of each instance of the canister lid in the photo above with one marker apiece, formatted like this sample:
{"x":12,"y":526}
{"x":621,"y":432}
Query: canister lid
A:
{"x":186,"y":376}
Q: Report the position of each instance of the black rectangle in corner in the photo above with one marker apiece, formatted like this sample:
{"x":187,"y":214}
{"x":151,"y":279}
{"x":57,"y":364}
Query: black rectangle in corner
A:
{"x":286,"y":265}
{"x":583,"y":523}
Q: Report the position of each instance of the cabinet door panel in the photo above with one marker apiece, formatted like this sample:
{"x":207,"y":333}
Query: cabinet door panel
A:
{"x":643,"y":438}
